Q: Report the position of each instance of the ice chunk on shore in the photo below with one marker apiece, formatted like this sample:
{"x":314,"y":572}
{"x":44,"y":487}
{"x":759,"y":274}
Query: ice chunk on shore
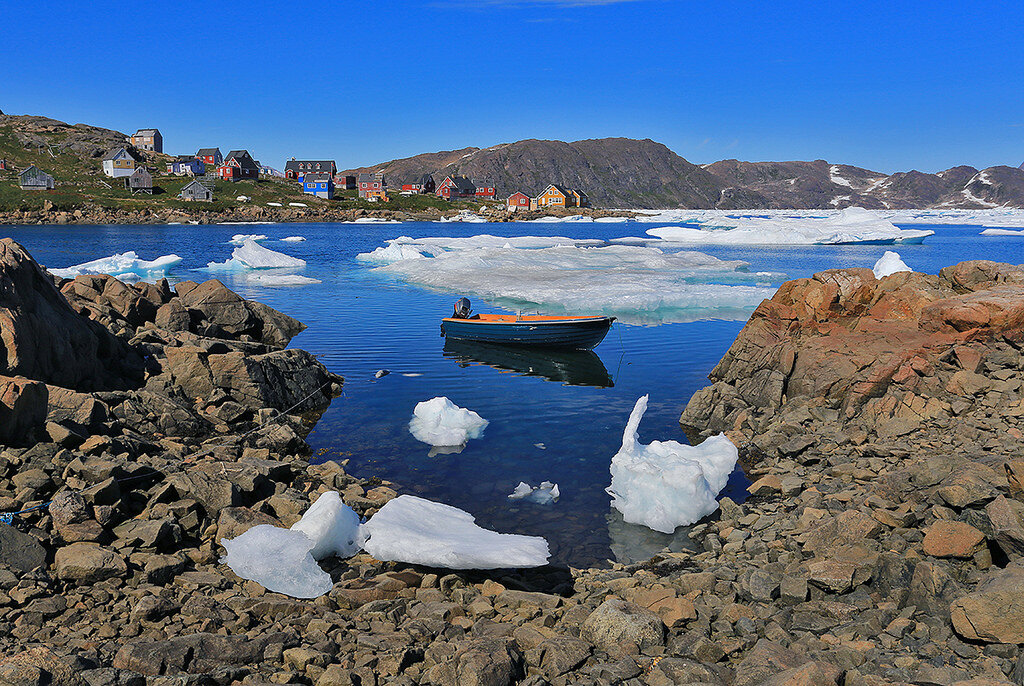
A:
{"x":667,"y":484}
{"x":252,"y":255}
{"x":544,"y":494}
{"x":126,"y":266}
{"x":278,"y":559}
{"x":293,"y":239}
{"x":440,"y":422}
{"x":331,"y":525}
{"x":889,"y":263}
{"x":418,"y":531}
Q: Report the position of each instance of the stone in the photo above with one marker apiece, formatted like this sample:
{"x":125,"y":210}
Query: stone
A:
{"x":766,"y":485}
{"x":994,"y":612}
{"x":947,"y":538}
{"x":20,"y":551}
{"x":87,"y":563}
{"x":556,"y":656}
{"x":477,"y":662}
{"x":809,"y":674}
{"x":22,"y":408}
{"x":235,"y":521}
{"x":766,"y":659}
{"x":617,"y":623}
{"x":932,"y":588}
{"x":192,"y":654}
{"x":847,"y":528}
{"x":1006,"y":517}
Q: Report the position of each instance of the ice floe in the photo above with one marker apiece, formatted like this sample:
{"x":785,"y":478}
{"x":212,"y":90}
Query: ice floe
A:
{"x":440,"y":422}
{"x":464,"y":216}
{"x":889,"y":263}
{"x":241,"y":238}
{"x":666,"y":484}
{"x":252,"y":255}
{"x":544,"y":494}
{"x":418,"y":531}
{"x":293,"y":239}
{"x":1002,"y":232}
{"x":638,"y":284}
{"x":126,"y":266}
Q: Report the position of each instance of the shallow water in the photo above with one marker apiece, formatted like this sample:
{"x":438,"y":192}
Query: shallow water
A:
{"x":556,"y":418}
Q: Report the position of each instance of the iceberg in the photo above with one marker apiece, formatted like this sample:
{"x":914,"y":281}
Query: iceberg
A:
{"x":1001,"y":232}
{"x":241,"y":238}
{"x":251,"y":255}
{"x":331,"y":525}
{"x":666,"y":484}
{"x":418,"y":531}
{"x":544,"y":494}
{"x":889,"y":263}
{"x":126,"y":266}
{"x":293,"y":239}
{"x":441,"y":423}
{"x":638,"y":284}
{"x":278,"y":559}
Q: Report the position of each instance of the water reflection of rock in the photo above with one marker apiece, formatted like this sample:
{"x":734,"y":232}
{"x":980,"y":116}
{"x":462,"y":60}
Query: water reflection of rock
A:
{"x":570,"y":367}
{"x":636,"y":543}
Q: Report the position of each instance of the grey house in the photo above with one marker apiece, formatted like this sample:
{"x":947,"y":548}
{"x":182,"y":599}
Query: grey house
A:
{"x":141,"y":181}
{"x":32,"y":179}
{"x":194,"y":190}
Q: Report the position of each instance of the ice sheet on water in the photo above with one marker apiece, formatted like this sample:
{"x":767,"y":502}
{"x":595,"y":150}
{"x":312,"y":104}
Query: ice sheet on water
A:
{"x":241,"y":238}
{"x":464,"y":216}
{"x":252,"y":255}
{"x":638,"y":284}
{"x":849,"y":226}
{"x":889,"y":263}
{"x":440,"y":422}
{"x":331,"y":525}
{"x":996,"y":217}
{"x":293,"y":239}
{"x":126,"y":266}
{"x":544,"y":494}
{"x":418,"y":531}
{"x":278,"y":559}
{"x":1002,"y":232}
{"x":666,"y":484}
{"x":271,"y":277}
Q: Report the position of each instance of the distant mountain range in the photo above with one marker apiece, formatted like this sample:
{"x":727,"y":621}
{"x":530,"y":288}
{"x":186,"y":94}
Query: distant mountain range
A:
{"x":628,"y":173}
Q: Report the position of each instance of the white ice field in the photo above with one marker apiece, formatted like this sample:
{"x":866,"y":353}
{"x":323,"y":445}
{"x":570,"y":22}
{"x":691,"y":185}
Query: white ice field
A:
{"x":125,"y":266}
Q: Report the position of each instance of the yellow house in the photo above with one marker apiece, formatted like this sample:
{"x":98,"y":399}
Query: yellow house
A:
{"x":556,"y":196}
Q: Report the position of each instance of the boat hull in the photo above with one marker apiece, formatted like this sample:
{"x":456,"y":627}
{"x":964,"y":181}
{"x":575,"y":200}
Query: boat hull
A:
{"x":559,"y":334}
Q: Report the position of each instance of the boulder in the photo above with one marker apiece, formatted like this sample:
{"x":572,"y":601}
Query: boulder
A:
{"x":617,"y":623}
{"x":22,"y":409}
{"x":994,"y":612}
{"x":952,"y":539}
{"x":20,"y":551}
{"x":478,"y":662}
{"x":88,"y":562}
{"x":1006,"y":518}
{"x":192,"y":654}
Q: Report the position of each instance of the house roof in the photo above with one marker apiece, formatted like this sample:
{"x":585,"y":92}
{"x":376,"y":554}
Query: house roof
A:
{"x":294,"y":165}
{"x":463,"y":184}
{"x":192,"y":184}
{"x":320,"y":176}
{"x":206,"y":152}
{"x":185,"y":158}
{"x":114,"y":152}
{"x":371,"y":177}
{"x":147,"y":132}
{"x":243,"y":158}
{"x":561,"y":189}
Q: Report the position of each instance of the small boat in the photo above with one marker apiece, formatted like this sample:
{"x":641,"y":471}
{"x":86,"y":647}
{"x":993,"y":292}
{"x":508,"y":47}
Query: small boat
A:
{"x":540,"y":331}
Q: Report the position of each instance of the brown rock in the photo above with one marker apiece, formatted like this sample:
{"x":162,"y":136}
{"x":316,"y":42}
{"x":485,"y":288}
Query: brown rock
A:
{"x":952,"y":539}
{"x":994,"y":613}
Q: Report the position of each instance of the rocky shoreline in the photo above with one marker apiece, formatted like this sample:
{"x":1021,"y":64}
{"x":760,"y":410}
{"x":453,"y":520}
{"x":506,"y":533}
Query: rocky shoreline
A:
{"x":881,"y":543}
{"x":50,"y":214}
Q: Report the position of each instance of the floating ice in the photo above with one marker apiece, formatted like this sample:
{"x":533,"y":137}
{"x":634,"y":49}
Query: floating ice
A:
{"x":889,"y":263}
{"x":294,"y":239}
{"x":331,"y":525}
{"x":638,"y":284}
{"x":373,"y":220}
{"x":544,"y":494}
{"x":440,"y":422}
{"x":270,"y":277}
{"x":241,"y":238}
{"x":1001,"y":232}
{"x":126,"y":266}
{"x":667,"y":484}
{"x":851,"y":225}
{"x":464,"y":216}
{"x":280,"y":560}
{"x":418,"y":531}
{"x":251,"y":255}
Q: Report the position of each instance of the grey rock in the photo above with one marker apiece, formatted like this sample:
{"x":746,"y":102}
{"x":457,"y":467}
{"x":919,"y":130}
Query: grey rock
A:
{"x":617,"y":623}
{"x":88,"y":562}
{"x":19,"y":550}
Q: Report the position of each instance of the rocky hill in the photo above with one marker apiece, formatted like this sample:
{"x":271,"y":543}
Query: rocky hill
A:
{"x":626,"y":173}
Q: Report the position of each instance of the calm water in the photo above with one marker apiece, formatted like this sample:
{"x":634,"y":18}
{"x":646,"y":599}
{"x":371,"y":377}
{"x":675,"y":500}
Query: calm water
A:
{"x":552,"y":418}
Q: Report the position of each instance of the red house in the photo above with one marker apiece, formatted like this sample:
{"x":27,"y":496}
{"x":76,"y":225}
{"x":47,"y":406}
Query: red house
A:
{"x":420,"y":184}
{"x":210,"y":156}
{"x":484,"y":189}
{"x":238,"y":165}
{"x":518,"y":202}
{"x":455,"y":187}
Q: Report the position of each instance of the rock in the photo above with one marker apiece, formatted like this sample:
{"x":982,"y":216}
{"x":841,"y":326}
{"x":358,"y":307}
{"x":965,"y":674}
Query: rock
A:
{"x":809,"y":674}
{"x":173,"y":316}
{"x":230,"y":314}
{"x":947,"y":538}
{"x":88,"y":562}
{"x":22,"y":406}
{"x":192,"y":654}
{"x":674,"y":670}
{"x":1006,"y":518}
{"x":971,"y":484}
{"x":765,"y":660}
{"x":235,"y":521}
{"x":847,"y":528}
{"x":616,"y":623}
{"x":932,"y":589}
{"x":556,"y":656}
{"x":477,"y":662}
{"x":994,"y":612}
{"x":20,"y":551}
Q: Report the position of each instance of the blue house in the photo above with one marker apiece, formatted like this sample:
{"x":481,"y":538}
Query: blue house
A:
{"x":320,"y":185}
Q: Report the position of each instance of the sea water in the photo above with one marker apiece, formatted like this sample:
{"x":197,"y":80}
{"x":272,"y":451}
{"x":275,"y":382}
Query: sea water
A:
{"x":556,"y":418}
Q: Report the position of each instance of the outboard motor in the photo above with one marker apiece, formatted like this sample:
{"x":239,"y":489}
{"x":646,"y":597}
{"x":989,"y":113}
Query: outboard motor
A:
{"x":462,"y":309}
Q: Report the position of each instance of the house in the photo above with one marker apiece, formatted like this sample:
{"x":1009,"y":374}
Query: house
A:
{"x":186,"y":165}
{"x":296,"y":169}
{"x":194,"y":190}
{"x":348,"y":182}
{"x":581,"y":199}
{"x":372,"y":186}
{"x":148,"y":139}
{"x":32,"y":179}
{"x":118,"y":162}
{"x":238,"y":165}
{"x":210,"y":156}
{"x":3,"y":164}
{"x":423,"y":183}
{"x":519,"y":202}
{"x":267,"y":170}
{"x":555,"y":196}
{"x":141,"y":181}
{"x":484,"y":189}
{"x":455,"y":187}
{"x":321,"y":184}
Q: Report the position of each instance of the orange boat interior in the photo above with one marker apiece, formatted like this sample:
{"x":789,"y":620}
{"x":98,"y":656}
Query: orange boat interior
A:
{"x":512,"y":318}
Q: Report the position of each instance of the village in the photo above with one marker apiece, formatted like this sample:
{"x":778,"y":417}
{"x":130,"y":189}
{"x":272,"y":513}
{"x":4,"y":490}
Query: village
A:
{"x":127,"y":165}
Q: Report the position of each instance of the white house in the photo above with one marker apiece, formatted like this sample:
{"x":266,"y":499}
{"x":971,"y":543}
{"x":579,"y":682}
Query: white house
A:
{"x":118,"y":162}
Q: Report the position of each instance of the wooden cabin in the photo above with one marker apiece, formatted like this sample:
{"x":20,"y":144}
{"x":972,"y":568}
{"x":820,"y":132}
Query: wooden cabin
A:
{"x":148,"y":139}
{"x":141,"y":181}
{"x":518,"y":202}
{"x":239,"y":165}
{"x":555,"y":196}
{"x":195,"y":191}
{"x":296,"y":169}
{"x":34,"y":179}
{"x":186,"y":165}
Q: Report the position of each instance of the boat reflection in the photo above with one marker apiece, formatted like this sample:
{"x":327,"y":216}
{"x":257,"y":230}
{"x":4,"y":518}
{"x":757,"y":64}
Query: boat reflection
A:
{"x":569,"y":367}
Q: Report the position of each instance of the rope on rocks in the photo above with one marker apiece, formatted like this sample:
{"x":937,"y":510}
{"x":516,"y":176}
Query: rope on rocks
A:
{"x":8,"y":517}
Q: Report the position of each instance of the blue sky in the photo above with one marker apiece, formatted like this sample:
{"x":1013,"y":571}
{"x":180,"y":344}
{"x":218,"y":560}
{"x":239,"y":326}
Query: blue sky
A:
{"x":885,"y":85}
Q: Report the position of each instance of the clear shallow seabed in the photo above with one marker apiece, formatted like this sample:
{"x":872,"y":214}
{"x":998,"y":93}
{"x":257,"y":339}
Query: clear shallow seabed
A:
{"x":540,"y":429}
